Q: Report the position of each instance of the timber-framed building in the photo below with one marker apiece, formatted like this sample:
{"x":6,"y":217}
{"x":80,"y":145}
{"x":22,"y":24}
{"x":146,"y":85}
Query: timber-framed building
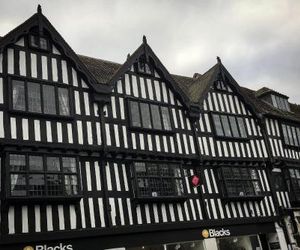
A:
{"x":101,"y":155}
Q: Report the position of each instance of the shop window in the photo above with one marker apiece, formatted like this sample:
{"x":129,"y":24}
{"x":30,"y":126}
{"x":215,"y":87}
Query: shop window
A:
{"x":43,"y":176}
{"x":40,"y":98}
{"x":291,"y":135}
{"x":149,"y":116}
{"x":229,"y":126}
{"x":293,"y":182}
{"x":240,"y":182}
{"x":157,"y":180}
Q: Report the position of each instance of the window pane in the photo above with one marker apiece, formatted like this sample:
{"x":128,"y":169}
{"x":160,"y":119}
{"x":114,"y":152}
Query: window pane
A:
{"x":49,"y":100}
{"x":253,"y":174}
{"x":179,"y":187}
{"x":218,"y":126}
{"x":290,"y":135}
{"x":292,"y":173}
{"x":294,"y":134}
{"x":166,"y":118}
{"x":256,"y":187}
{"x":152,"y":169}
{"x":34,"y":41}
{"x":225,"y":124}
{"x":164,"y":170}
{"x":244,"y":173}
{"x":36,"y":185}
{"x":17,"y":162}
{"x":18,"y":184}
{"x":63,"y":99}
{"x":236,"y":173}
{"x":135,"y":114}
{"x":34,"y":97}
{"x":36,"y":163}
{"x":227,"y":173}
{"x":297,"y":173}
{"x":234,"y":127}
{"x":155,"y":116}
{"x":43,"y":43}
{"x":285,"y":135}
{"x":242,"y":127}
{"x":274,"y":101}
{"x":140,"y":168}
{"x":69,"y":165}
{"x":54,"y":185}
{"x":71,"y":185}
{"x":145,"y":111}
{"x":18,"y":95}
{"x":53,"y":164}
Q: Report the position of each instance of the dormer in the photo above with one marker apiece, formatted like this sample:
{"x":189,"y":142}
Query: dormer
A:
{"x":274,"y":98}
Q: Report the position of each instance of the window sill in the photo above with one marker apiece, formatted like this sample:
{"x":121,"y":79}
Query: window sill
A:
{"x":290,"y":146}
{"x":152,"y":131}
{"x":41,"y":115}
{"x":243,"y":198}
{"x":224,"y":138}
{"x":160,"y":199}
{"x":44,"y":199}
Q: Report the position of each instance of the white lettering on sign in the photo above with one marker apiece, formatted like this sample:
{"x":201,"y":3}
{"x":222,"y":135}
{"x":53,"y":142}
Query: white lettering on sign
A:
{"x":218,"y":233}
{"x":61,"y":246}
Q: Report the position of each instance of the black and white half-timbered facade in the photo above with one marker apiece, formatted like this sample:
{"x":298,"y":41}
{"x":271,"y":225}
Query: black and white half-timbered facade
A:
{"x":100,"y":155}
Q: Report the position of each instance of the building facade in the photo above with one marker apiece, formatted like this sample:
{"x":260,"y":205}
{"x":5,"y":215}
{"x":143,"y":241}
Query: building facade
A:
{"x":100,"y":155}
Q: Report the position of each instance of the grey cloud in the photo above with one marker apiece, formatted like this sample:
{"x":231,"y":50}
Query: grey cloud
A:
{"x":258,"y":41}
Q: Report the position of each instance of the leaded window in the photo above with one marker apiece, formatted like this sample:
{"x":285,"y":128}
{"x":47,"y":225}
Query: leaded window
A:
{"x":239,"y":182}
{"x":154,"y":179}
{"x":291,"y":135}
{"x":42,"y":176}
{"x":38,"y":42}
{"x":293,"y":182}
{"x":149,"y":116}
{"x":18,"y":95}
{"x":40,"y":98}
{"x":229,"y":126}
{"x":280,"y":102}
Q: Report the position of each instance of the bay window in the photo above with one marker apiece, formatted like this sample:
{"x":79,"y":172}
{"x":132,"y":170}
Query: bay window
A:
{"x":293,"y":183}
{"x":239,"y":182}
{"x":156,"y":180}
{"x":40,"y":98}
{"x":42,"y":176}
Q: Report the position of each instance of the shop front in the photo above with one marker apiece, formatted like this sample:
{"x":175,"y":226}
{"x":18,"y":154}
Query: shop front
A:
{"x":243,"y":237}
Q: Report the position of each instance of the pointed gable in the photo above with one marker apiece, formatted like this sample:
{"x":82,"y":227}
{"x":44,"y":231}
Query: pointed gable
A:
{"x":39,"y":24}
{"x":146,"y":54}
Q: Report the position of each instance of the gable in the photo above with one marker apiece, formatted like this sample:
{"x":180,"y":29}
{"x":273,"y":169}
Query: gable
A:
{"x":39,"y":25}
{"x":146,"y":55}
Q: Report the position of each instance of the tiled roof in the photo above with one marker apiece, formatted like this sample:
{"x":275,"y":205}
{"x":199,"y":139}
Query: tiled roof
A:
{"x":266,"y":108}
{"x":102,"y":70}
{"x":194,"y":88}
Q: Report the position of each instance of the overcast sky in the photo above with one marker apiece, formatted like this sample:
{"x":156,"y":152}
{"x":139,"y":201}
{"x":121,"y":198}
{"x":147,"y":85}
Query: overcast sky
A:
{"x":258,"y":41}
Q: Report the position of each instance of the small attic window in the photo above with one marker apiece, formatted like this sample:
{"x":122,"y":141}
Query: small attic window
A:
{"x":280,"y":102}
{"x":220,"y":85}
{"x":144,"y":67}
{"x":38,"y":42}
